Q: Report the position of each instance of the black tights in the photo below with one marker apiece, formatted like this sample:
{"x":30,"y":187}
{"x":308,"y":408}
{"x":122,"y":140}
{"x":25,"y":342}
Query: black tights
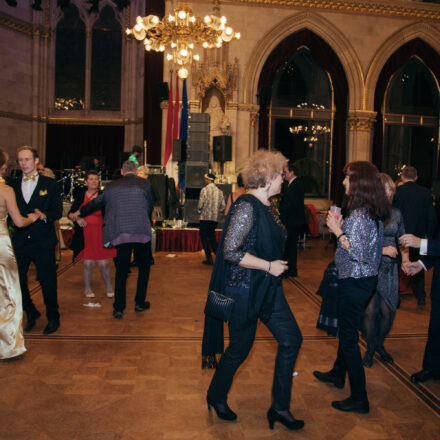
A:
{"x":377,"y":323}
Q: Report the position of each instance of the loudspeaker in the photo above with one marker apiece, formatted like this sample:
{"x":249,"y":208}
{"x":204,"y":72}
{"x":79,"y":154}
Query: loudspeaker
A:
{"x":198,"y":127}
{"x":222,"y":146}
{"x":197,"y":156}
{"x":195,"y":174}
{"x":190,"y":213}
{"x":159,"y":186}
{"x":162,"y":91}
{"x":178,"y":150}
{"x":198,"y":136}
{"x":198,"y":117}
{"x":123,"y":156}
{"x":265,"y":95}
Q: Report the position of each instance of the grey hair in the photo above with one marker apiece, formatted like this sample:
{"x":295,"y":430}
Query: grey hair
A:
{"x":129,"y":166}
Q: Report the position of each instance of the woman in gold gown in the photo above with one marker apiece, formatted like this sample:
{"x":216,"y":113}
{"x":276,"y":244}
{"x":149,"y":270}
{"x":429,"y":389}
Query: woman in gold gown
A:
{"x":11,"y":312}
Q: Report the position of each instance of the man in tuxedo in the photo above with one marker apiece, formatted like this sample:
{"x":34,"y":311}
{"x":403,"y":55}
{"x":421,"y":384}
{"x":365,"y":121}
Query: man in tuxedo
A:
{"x":128,"y":206}
{"x":36,"y":243}
{"x":416,"y":205}
{"x":292,"y":215}
{"x":430,"y":251}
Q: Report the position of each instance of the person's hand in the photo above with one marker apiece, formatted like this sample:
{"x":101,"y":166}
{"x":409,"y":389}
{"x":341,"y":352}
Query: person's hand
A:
{"x":390,"y":251}
{"x":277,"y":267}
{"x":412,"y":268}
{"x":410,"y":240}
{"x":39,"y":214}
{"x":32,"y":217}
{"x":81,"y":222}
{"x":334,"y":224}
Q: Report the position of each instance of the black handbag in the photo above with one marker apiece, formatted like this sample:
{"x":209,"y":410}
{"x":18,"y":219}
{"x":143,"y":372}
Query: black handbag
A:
{"x":219,"y":306}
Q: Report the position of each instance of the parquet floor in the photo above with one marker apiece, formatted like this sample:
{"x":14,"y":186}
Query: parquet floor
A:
{"x":140,"y":378}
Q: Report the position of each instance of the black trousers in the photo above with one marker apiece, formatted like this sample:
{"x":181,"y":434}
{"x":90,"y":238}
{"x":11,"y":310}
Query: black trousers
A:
{"x":143,"y":256}
{"x":44,"y":260}
{"x":417,"y":280}
{"x":291,"y":251}
{"x":284,"y":328}
{"x":431,"y":359}
{"x":352,"y":300}
{"x":207,"y":237}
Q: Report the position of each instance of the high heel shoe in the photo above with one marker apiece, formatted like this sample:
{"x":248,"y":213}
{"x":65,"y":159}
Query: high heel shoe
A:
{"x":222,"y":410}
{"x":285,"y":418}
{"x":367,"y":361}
{"x":385,"y":355}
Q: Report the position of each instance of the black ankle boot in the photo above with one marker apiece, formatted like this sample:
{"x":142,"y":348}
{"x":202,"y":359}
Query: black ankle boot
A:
{"x":385,"y":355}
{"x":330,"y":377}
{"x":285,"y":418}
{"x":222,"y":410}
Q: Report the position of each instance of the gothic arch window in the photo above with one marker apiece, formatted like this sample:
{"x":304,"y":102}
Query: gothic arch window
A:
{"x":106,"y":62}
{"x":301,"y":119}
{"x":303,"y":96}
{"x":70,"y":61}
{"x":407,"y":131}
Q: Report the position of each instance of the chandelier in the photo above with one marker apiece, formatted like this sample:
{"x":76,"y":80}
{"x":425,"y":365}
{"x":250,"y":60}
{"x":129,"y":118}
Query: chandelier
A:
{"x":179,"y":34}
{"x":311,"y":131}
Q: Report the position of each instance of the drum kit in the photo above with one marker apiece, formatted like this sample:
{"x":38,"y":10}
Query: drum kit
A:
{"x":72,"y":181}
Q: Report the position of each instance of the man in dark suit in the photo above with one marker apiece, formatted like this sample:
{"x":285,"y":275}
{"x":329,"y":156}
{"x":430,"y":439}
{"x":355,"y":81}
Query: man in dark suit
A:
{"x":416,"y":205}
{"x":36,"y":243}
{"x":293,"y":216}
{"x":428,"y":248}
{"x":128,"y":206}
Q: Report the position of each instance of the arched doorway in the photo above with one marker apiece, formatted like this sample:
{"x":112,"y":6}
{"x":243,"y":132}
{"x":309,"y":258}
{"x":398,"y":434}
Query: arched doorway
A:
{"x":303,"y":83}
{"x":407,"y":101}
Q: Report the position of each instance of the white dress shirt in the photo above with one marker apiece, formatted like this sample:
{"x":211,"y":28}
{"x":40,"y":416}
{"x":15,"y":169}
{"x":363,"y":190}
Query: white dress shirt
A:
{"x":28,"y":187}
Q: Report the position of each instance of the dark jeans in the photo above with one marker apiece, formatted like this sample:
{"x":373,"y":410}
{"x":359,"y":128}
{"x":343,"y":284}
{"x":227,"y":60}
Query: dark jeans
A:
{"x":431,"y":359}
{"x":292,"y":250}
{"x":352,"y":300}
{"x":44,"y":260}
{"x":284,"y":328}
{"x":207,"y":236}
{"x":142,"y":255}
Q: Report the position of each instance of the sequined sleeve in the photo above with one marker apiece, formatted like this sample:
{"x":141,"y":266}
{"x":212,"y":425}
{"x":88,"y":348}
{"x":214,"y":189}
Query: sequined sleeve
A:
{"x":239,"y":227}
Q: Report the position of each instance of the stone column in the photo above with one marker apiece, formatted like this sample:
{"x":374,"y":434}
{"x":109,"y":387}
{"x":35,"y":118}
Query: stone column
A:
{"x":88,"y":70}
{"x":360,"y":125}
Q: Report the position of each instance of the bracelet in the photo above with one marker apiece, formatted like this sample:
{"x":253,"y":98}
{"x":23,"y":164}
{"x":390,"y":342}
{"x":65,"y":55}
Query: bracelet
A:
{"x":340,"y":235}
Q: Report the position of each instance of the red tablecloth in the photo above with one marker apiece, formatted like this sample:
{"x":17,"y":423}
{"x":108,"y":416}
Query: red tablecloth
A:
{"x":180,"y":240}
{"x":313,"y":221}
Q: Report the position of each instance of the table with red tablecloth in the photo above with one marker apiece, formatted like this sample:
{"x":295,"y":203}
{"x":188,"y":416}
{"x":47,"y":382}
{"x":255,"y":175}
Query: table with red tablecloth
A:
{"x":180,"y":240}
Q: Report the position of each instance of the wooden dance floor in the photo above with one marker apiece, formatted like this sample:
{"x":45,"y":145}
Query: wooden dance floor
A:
{"x":99,"y":378}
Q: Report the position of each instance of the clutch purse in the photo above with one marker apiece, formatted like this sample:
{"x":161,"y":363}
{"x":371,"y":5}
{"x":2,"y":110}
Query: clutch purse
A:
{"x":219,"y":306}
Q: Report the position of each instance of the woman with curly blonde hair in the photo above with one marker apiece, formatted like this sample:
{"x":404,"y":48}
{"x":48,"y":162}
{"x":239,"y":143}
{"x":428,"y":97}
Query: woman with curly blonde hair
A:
{"x":248,"y":268}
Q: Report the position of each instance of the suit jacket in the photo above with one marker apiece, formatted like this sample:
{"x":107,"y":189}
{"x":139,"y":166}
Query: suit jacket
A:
{"x":432,"y":259}
{"x":128,"y":206}
{"x":415,"y":204}
{"x":47,"y":198}
{"x":292,"y":206}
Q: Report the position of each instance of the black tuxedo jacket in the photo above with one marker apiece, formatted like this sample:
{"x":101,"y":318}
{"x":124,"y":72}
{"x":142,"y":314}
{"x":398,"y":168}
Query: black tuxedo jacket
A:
{"x":47,"y":198}
{"x":415,"y":204}
{"x":432,"y":259}
{"x":292,"y":206}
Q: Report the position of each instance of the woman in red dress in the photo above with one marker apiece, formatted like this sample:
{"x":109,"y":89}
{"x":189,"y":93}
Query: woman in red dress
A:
{"x":87,"y":239}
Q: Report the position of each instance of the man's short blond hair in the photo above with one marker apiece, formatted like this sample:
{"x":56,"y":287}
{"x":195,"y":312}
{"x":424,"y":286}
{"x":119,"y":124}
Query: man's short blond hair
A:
{"x":262,"y":167}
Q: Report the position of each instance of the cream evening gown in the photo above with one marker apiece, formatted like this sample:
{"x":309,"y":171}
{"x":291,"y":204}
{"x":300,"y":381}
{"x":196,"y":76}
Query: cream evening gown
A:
{"x":11,"y":312}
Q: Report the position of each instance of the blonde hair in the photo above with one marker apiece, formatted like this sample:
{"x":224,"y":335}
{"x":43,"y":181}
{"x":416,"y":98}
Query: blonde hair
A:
{"x":388,"y":182}
{"x":143,"y":171}
{"x":3,"y":157}
{"x":262,"y":167}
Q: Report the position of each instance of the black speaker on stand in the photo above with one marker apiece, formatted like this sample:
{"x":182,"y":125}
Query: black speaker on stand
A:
{"x":222,"y":146}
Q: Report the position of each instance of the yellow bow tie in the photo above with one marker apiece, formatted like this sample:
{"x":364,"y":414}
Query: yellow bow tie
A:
{"x":26,"y":178}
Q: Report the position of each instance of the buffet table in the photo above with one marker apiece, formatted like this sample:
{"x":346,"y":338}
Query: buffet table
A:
{"x":180,"y":240}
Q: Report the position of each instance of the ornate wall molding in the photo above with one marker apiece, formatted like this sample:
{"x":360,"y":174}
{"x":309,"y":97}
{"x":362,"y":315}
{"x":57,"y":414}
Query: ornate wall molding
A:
{"x":359,"y":120}
{"x":25,"y":28}
{"x":398,"y":9}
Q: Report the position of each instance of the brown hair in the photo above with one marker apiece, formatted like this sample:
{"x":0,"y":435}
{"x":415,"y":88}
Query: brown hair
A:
{"x":28,"y":148}
{"x":366,"y":190}
{"x":409,"y":173}
{"x":262,"y":167}
{"x":3,"y":157}
{"x":387,"y":181}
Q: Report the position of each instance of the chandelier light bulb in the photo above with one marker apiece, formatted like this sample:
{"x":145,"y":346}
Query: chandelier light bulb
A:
{"x":191,"y":45}
{"x":171,"y":18}
{"x":181,"y":14}
{"x":237,"y":35}
{"x":223,"y":20}
{"x":183,"y":73}
{"x":196,"y":57}
{"x":128,"y":31}
{"x":207,"y":19}
{"x":138,"y":27}
{"x":147,"y":47}
{"x":139,"y":19}
{"x":218,"y":45}
{"x":155,"y":19}
{"x":205,"y":45}
{"x":192,"y":19}
{"x":173,"y":45}
{"x":162,"y":48}
{"x":183,"y":53}
{"x":169,"y":57}
{"x":228,"y":31}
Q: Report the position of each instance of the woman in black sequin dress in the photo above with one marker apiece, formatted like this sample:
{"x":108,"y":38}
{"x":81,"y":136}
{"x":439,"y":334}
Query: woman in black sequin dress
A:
{"x":248,"y":267}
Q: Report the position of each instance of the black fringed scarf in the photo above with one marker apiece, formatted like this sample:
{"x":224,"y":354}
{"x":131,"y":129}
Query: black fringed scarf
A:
{"x":271,"y":238}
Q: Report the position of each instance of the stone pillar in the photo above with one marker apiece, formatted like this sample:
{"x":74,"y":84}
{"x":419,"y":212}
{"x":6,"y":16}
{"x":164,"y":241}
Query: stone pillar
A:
{"x":360,"y":124}
{"x":88,"y":70}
